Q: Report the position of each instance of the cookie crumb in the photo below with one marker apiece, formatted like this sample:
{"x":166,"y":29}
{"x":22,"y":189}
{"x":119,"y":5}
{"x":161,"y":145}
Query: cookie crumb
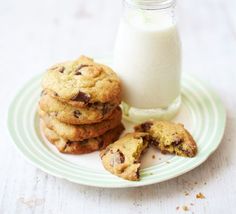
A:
{"x":195,"y":182}
{"x":186,"y":193}
{"x":192,"y":204}
{"x":205,"y":183}
{"x":200,"y":196}
{"x":32,"y":202}
{"x":153,"y":156}
{"x":185,"y":208}
{"x":177,"y":208}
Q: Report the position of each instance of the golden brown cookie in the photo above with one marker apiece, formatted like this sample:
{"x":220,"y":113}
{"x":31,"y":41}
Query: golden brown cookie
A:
{"x":85,"y":146}
{"x":122,"y":158}
{"x":169,"y":137}
{"x":81,"y":82}
{"x":67,"y":113}
{"x":81,"y":132}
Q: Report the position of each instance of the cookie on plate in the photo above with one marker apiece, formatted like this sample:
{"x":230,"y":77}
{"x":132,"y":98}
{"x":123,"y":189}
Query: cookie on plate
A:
{"x":85,"y":146}
{"x":67,"y":113}
{"x":122,"y":158}
{"x":169,"y":137}
{"x":81,"y":132}
{"x":81,"y":82}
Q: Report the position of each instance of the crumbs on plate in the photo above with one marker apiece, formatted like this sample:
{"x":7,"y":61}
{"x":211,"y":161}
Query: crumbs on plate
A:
{"x":200,"y":196}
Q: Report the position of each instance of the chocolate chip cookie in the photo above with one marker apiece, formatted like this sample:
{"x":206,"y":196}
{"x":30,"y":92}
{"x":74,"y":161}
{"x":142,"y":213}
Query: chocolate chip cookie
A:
{"x":66,"y":113}
{"x":81,"y":82}
{"x":169,"y":137}
{"x":81,"y":132}
{"x":122,"y":158}
{"x":85,"y":146}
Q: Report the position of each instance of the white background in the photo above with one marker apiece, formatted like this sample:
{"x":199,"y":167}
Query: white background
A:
{"x":36,"y":34}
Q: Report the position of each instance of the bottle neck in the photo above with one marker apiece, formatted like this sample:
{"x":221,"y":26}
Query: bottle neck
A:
{"x":151,"y":4}
{"x":152,"y":15}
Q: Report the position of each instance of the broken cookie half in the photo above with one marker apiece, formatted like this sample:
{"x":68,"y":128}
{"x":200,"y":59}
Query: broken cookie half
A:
{"x":122,"y":158}
{"x":169,"y":137}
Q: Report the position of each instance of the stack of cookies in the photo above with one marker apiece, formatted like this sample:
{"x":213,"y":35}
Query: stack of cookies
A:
{"x":79,"y":106}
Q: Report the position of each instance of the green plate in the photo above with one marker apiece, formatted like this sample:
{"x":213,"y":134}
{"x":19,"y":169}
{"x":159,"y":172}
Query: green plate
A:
{"x":202,"y":113}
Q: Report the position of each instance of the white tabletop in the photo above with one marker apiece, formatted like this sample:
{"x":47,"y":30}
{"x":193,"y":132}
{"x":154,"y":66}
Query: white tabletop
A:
{"x":35,"y":34}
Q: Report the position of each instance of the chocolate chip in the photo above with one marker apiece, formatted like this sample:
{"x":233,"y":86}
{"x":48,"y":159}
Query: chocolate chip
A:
{"x":188,"y":153}
{"x":83,"y":142}
{"x":82,"y":66}
{"x":81,"y":96}
{"x":146,"y":138}
{"x":103,"y":107}
{"x":117,"y":158}
{"x":58,"y":68}
{"x":152,"y":141}
{"x":61,"y":69}
{"x":97,"y":105}
{"x":90,"y":105}
{"x":77,"y":113}
{"x":137,"y":173}
{"x":68,"y":143}
{"x":106,"y":108}
{"x":77,"y":71}
{"x":100,"y":142}
{"x":180,"y":147}
{"x":55,"y":94}
{"x":165,"y":152}
{"x":177,"y":142}
{"x":146,"y":126}
{"x":42,"y":93}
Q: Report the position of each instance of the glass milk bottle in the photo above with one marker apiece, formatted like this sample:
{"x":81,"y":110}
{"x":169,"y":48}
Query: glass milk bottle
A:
{"x":147,"y":57}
